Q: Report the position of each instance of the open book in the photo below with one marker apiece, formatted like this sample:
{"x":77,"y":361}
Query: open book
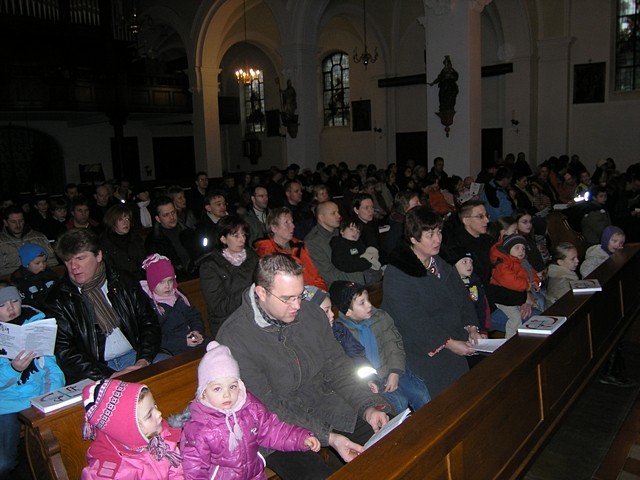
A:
{"x":62,"y":397}
{"x":38,"y":336}
{"x":488,"y":345}
{"x":388,"y":427}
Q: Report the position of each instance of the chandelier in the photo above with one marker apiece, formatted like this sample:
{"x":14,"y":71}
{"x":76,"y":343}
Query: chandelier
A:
{"x":246,"y":75}
{"x":366,"y":58}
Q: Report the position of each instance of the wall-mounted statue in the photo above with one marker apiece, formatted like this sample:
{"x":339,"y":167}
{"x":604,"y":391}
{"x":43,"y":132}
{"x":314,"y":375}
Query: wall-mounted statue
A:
{"x":288,"y":107}
{"x":447,"y":81}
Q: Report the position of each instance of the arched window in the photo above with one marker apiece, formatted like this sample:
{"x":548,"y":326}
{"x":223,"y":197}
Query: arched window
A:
{"x":627,"y":61}
{"x":254,"y":104}
{"x":335,"y":72}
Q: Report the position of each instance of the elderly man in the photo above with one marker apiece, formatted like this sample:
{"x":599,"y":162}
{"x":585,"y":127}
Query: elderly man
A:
{"x":290,"y":360}
{"x":318,"y":243}
{"x":105,"y":321}
{"x":257,"y":213}
{"x":13,"y":235}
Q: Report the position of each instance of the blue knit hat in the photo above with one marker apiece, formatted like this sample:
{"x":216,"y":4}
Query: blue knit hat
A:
{"x":29,"y":252}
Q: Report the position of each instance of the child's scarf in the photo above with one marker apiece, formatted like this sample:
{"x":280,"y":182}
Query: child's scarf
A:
{"x":366,"y":338}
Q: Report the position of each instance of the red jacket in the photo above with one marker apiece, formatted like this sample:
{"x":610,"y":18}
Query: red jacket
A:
{"x":300,"y":253}
{"x":508,"y":271}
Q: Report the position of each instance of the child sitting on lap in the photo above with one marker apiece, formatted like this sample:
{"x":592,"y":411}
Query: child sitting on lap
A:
{"x":228,"y":424}
{"x":349,"y":254}
{"x":21,"y":378}
{"x":376,"y":332}
{"x":131,"y":440}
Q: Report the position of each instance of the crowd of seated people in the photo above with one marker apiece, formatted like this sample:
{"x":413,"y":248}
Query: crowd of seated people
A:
{"x":218,"y":233}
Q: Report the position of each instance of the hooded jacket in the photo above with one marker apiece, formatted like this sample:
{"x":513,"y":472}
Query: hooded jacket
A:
{"x":78,"y":348}
{"x":297,"y":370}
{"x":509,"y":272}
{"x":107,"y":459}
{"x":16,"y":392}
{"x":205,"y":439}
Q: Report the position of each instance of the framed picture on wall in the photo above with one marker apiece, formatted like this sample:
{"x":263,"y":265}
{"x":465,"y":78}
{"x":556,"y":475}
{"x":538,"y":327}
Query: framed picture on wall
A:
{"x":589,"y":82}
{"x":361,"y":115}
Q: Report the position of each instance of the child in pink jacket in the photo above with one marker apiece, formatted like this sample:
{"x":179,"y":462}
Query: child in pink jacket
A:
{"x":131,"y":440}
{"x":228,"y":425}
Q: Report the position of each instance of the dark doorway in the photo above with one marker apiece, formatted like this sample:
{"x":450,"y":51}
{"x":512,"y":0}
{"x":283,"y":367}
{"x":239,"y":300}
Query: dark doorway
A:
{"x":411,"y":145}
{"x":491,"y":145}
{"x":174,"y":160}
{"x":130,"y":166}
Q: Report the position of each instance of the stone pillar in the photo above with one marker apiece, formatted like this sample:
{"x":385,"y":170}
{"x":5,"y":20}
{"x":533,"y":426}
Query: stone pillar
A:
{"x":453,"y":28}
{"x":206,"y":124}
{"x":300,"y":66}
{"x":553,"y":97}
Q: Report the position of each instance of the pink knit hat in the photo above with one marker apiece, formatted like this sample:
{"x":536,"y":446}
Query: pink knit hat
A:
{"x":219,"y":363}
{"x":111,"y":409}
{"x":111,"y":406}
{"x":158,"y":268}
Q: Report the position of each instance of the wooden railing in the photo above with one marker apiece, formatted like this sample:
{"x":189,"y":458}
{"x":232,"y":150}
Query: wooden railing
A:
{"x":494,"y":420}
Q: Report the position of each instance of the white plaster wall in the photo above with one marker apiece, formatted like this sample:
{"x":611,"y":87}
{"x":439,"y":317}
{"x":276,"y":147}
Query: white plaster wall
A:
{"x":609,"y":129}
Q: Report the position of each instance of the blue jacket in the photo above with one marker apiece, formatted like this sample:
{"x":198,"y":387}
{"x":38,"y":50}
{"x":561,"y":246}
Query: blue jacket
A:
{"x":15,"y":392}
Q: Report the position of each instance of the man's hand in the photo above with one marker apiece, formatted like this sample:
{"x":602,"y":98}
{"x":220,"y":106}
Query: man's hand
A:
{"x":347,"y":449}
{"x":392,"y":382}
{"x":375,"y":418}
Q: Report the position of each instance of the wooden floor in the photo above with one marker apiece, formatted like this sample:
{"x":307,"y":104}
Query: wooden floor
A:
{"x":600,"y":439}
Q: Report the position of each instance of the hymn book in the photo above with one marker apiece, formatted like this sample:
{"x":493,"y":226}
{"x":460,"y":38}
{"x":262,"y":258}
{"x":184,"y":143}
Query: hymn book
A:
{"x":388,"y":427}
{"x":38,"y":336}
{"x":541,"y":325}
{"x":62,"y":397}
{"x":585,"y":286}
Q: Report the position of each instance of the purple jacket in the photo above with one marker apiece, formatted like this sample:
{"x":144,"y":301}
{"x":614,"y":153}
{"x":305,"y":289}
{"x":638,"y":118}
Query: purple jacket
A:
{"x":205,"y":441}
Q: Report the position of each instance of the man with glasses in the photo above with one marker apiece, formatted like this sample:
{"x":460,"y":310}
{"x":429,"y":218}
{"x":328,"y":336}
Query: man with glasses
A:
{"x":290,"y":360}
{"x":471,"y":235}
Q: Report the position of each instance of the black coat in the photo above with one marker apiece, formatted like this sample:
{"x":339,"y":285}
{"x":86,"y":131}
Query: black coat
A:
{"x":80,"y":344}
{"x":222,"y":285}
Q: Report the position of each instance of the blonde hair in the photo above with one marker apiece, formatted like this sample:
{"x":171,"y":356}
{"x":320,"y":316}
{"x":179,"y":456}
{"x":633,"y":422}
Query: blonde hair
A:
{"x":561,"y":251}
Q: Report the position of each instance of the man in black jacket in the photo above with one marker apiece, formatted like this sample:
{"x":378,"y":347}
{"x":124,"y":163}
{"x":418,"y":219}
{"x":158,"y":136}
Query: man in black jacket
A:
{"x":105,"y":321}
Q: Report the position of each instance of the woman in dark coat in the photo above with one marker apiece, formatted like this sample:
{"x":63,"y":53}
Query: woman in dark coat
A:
{"x":227,"y":271}
{"x":122,"y":249}
{"x":429,"y":304}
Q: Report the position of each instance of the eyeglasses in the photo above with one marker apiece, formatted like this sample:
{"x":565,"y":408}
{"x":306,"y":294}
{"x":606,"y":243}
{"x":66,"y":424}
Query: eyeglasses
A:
{"x":289,"y":300}
{"x":482,"y":216}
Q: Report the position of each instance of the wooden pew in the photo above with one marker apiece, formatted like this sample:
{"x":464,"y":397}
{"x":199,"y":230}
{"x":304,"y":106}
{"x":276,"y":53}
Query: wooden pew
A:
{"x":495,"y":419}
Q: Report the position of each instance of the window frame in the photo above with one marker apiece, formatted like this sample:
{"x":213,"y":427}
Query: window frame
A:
{"x":338,"y":114}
